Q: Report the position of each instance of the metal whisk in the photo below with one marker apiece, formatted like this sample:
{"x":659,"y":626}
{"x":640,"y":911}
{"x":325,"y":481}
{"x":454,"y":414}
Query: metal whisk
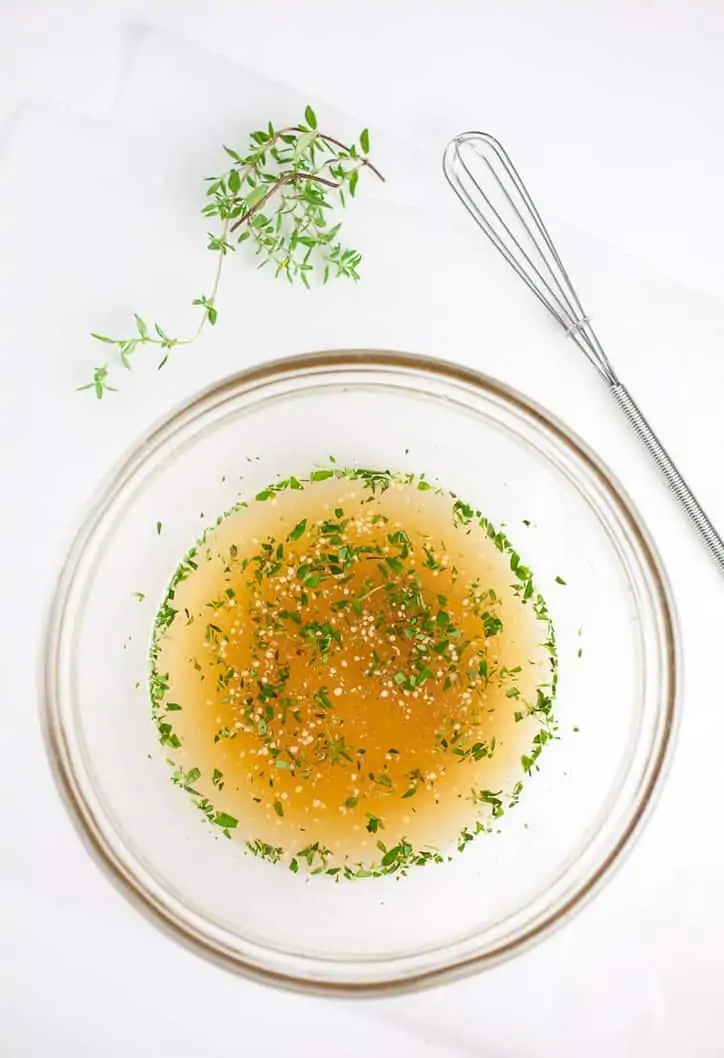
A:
{"x":487,"y":183}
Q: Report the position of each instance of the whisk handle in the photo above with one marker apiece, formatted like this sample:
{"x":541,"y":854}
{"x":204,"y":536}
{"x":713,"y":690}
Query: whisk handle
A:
{"x":686,"y":498}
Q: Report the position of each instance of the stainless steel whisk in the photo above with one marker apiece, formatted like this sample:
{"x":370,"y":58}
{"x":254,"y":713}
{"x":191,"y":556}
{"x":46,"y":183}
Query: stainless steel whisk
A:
{"x":487,"y":183}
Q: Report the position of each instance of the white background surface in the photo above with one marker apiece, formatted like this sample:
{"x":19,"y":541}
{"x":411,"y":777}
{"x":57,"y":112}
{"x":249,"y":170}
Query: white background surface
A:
{"x":613,"y":114}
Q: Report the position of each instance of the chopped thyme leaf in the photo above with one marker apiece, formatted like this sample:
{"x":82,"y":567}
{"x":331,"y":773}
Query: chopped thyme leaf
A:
{"x":223,"y":819}
{"x":381,"y":779}
{"x":272,"y":853}
{"x":322,"y":698}
{"x":298,"y":530}
{"x":489,"y":797}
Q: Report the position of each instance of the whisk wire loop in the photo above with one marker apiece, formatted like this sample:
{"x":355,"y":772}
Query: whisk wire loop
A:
{"x":489,"y":186}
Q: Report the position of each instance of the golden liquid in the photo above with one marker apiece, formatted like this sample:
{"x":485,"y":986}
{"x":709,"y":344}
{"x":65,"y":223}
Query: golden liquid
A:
{"x":303,"y":737}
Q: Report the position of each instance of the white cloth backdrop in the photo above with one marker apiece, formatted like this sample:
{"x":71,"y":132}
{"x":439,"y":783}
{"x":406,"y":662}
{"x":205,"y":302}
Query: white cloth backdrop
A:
{"x":99,"y":217}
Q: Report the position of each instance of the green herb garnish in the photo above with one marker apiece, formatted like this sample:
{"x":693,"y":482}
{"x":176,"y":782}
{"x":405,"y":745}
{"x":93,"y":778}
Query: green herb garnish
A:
{"x":277,"y":196}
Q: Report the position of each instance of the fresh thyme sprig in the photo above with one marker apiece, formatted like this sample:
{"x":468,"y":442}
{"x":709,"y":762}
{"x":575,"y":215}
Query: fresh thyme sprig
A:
{"x":277,"y":196}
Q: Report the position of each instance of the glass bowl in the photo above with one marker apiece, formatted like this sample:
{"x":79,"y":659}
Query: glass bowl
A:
{"x":616,"y":703}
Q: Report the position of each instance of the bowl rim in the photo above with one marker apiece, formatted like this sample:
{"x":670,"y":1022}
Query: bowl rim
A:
{"x":57,"y":743}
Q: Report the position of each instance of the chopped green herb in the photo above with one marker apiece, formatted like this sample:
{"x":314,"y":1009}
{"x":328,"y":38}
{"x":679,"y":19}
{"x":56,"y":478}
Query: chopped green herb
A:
{"x":298,"y":530}
{"x":223,"y":819}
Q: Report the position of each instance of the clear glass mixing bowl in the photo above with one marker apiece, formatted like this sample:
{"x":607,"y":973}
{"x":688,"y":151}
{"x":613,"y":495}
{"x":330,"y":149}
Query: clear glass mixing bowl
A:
{"x":618,"y":672}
